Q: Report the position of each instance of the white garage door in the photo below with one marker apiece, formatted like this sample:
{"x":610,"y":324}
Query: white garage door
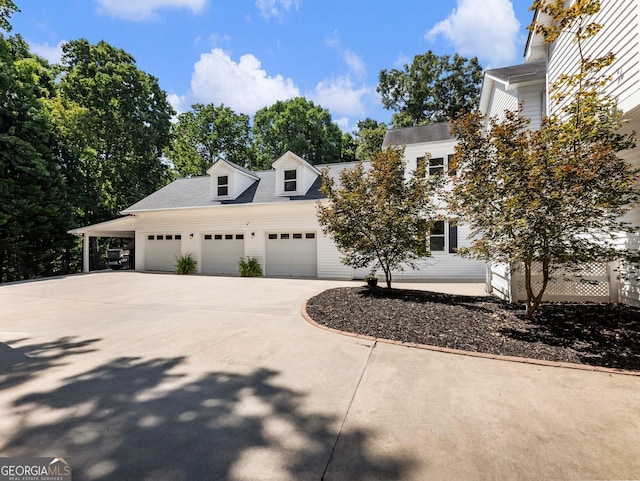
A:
{"x":221,"y":253}
{"x":161,"y":251}
{"x":291,"y":254}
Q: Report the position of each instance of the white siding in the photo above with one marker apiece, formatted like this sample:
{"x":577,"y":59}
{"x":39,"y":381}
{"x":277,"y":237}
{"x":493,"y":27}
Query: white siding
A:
{"x":502,"y":100}
{"x":532,"y":96}
{"x":309,"y":177}
{"x":620,"y":36}
{"x":412,"y":152}
{"x":256,"y":221}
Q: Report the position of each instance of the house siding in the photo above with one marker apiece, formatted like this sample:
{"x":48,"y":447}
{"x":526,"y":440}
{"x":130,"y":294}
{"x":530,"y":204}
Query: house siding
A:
{"x":619,"y":35}
{"x":502,"y":100}
{"x":532,"y":98}
{"x":260,"y":220}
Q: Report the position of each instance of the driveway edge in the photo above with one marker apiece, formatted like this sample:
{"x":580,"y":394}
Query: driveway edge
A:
{"x":481,"y":355}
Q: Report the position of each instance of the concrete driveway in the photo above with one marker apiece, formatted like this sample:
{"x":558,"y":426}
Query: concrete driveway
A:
{"x":134,"y":376}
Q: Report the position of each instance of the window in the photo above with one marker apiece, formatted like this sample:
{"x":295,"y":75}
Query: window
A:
{"x":436,"y":238}
{"x":310,"y":235}
{"x":436,"y":166}
{"x":239,"y":236}
{"x":218,"y":237}
{"x":297,"y":236}
{"x":169,"y":237}
{"x":207,"y":237}
{"x":284,"y":236}
{"x":178,"y":237}
{"x":159,"y":237}
{"x":273,"y":236}
{"x":150,"y":237}
{"x":228,"y":237}
{"x":439,"y":241}
{"x":223,"y":185}
{"x":290,"y":183}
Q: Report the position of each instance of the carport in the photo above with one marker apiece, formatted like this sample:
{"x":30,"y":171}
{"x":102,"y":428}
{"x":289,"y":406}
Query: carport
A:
{"x":123,"y":227}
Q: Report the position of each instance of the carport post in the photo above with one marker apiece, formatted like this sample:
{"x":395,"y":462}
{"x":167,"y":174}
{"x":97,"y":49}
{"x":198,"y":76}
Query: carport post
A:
{"x":85,"y":252}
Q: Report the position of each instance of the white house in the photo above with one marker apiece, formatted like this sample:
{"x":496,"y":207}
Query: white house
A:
{"x":505,"y":88}
{"x":271,"y":215}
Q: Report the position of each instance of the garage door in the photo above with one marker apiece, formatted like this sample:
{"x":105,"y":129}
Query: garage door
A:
{"x":291,"y":254}
{"x":221,"y":253}
{"x":161,"y":251}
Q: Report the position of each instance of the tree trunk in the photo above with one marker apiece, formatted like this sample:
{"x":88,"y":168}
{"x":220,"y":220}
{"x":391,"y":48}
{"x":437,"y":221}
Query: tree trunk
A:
{"x":534,"y":300}
{"x":387,"y":276}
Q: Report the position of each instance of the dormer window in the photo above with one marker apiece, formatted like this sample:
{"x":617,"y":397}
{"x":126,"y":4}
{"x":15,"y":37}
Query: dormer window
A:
{"x":223,"y":185}
{"x":290,"y":181}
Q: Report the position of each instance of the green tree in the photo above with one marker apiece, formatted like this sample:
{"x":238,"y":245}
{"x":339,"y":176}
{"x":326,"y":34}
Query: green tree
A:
{"x":114,"y":120}
{"x":376,"y":216}
{"x":348,"y":148}
{"x":208,"y":133}
{"x":432,"y":89}
{"x":369,"y":138}
{"x":552,"y":197}
{"x":299,"y":126}
{"x":7,"y":8}
{"x":34,"y":214}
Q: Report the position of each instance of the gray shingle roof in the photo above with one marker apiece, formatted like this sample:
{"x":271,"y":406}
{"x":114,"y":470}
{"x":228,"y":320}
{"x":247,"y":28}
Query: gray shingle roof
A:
{"x":196,"y":192}
{"x":415,"y":135}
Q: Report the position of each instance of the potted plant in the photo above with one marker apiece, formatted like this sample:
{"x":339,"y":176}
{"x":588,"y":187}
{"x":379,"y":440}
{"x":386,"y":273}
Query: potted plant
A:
{"x":371,"y":280}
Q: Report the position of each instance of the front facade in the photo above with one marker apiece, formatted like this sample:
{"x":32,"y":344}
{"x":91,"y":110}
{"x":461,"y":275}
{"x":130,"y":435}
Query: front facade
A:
{"x":271,"y":215}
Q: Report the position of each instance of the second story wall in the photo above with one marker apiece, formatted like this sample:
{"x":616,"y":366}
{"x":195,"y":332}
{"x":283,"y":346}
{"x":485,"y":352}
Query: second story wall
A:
{"x":620,"y":35}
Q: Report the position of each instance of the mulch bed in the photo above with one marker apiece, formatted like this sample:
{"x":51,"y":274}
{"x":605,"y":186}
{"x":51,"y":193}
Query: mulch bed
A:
{"x":605,"y":335}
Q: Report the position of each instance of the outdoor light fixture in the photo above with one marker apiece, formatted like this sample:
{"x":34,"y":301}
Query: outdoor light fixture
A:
{"x":253,"y":234}
{"x":190,"y":236}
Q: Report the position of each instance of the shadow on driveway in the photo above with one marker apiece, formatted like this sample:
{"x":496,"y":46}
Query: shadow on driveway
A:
{"x":133,"y":418}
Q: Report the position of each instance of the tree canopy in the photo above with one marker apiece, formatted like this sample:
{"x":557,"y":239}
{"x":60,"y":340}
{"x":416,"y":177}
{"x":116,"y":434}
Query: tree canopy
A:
{"x":34,"y":213}
{"x":115,"y":121}
{"x":297,"y":125}
{"x":432,"y":89}
{"x":369,"y":138}
{"x":552,"y":197}
{"x":207,"y":133}
{"x":376,"y":217}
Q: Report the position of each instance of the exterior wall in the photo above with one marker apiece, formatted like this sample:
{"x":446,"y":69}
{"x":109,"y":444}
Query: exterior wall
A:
{"x":412,"y":152}
{"x":533,"y":98}
{"x":620,"y":35}
{"x":501,"y":100}
{"x":257,"y":221}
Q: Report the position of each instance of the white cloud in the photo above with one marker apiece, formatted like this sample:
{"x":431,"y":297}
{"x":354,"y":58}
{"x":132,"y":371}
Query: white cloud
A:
{"x":354,"y":62}
{"x":276,"y":8}
{"x":51,"y":53}
{"x":138,"y":10}
{"x":243,"y":86}
{"x":342,"y":97}
{"x":486,"y":29}
{"x":351,"y":59}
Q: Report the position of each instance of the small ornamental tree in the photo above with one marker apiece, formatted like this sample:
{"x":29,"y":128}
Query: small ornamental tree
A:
{"x":376,"y":216}
{"x":552,"y":197}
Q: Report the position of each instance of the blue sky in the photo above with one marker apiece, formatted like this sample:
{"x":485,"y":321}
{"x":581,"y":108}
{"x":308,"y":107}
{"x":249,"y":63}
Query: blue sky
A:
{"x":248,"y":54}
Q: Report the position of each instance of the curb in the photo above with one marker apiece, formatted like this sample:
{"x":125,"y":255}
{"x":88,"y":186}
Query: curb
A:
{"x":481,"y":355}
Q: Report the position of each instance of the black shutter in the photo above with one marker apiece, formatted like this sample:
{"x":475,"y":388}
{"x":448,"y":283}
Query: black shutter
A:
{"x":453,"y":238}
